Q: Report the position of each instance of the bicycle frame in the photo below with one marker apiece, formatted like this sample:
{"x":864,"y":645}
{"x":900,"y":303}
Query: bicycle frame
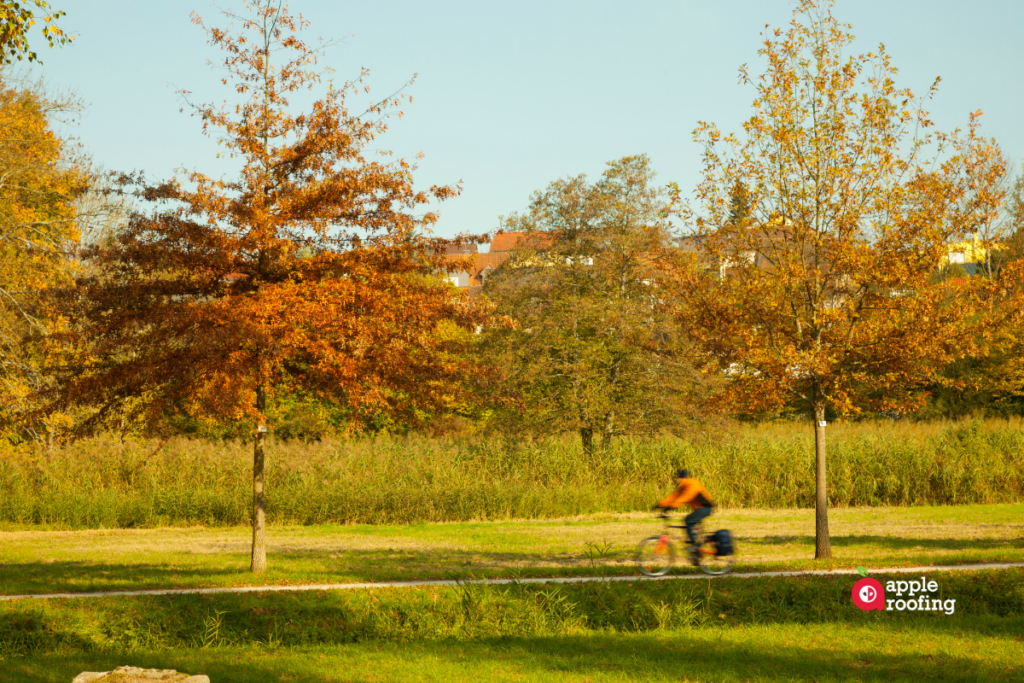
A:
{"x":698,"y":534}
{"x":656,"y":554}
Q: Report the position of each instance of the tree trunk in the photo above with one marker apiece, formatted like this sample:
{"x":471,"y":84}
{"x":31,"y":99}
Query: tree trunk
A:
{"x":587,"y":435}
{"x":609,"y":417}
{"x":822,"y":541}
{"x":609,"y":429}
{"x":259,"y":512}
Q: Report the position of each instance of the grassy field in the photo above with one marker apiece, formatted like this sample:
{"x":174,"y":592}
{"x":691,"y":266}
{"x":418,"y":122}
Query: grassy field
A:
{"x":103,"y":515}
{"x":781,"y":654}
{"x":803,"y":629}
{"x":35,"y":561}
{"x":104,"y":483}
{"x":825,"y":653}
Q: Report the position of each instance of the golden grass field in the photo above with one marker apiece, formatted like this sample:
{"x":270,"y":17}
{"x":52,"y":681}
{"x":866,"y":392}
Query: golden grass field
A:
{"x":106,"y":483}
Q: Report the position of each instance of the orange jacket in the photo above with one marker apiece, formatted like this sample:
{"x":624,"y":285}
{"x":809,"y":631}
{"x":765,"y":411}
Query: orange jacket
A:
{"x":690,"y":492}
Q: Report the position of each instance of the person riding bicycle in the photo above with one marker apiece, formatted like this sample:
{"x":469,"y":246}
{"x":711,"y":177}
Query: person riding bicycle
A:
{"x":690,"y":492}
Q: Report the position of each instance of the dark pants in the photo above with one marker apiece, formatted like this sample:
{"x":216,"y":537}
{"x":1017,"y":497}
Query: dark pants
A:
{"x":692,"y":519}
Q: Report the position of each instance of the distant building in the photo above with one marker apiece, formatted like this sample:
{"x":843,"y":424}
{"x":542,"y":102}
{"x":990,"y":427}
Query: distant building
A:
{"x":505,"y":242}
{"x":483,"y":265}
{"x":460,"y":249}
{"x":969,"y":254}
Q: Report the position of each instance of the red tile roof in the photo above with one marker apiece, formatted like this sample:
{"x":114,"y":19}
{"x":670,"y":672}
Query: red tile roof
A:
{"x":505,"y":241}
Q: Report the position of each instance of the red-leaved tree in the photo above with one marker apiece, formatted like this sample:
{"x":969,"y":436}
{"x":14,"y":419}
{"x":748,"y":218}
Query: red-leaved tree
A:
{"x":305,"y":270}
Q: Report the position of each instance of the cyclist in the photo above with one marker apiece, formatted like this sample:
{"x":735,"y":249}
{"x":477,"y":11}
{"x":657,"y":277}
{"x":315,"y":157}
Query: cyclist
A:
{"x":690,"y":492}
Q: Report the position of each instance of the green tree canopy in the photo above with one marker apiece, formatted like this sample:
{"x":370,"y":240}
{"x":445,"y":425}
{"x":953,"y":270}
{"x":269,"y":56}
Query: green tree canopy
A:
{"x":596,"y":351}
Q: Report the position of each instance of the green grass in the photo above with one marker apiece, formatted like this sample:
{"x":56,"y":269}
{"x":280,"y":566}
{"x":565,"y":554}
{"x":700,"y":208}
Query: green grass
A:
{"x":804,"y":629}
{"x":822,"y":654}
{"x":103,"y":483}
{"x":102,"y":515}
{"x":34,"y":561}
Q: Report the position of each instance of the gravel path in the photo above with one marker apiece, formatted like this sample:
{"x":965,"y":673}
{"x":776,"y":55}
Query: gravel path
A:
{"x":568,"y":579}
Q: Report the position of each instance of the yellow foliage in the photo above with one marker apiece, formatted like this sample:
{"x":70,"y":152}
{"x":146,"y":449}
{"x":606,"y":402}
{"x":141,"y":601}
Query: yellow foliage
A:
{"x":38,"y":188}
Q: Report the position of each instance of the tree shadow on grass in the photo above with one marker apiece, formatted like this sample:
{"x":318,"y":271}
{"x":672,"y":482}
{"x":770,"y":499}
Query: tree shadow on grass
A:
{"x":760,"y":658}
{"x":18,"y":578}
{"x":736,"y":656}
{"x":892,"y":542}
{"x":27,"y":631}
{"x":291,"y":566}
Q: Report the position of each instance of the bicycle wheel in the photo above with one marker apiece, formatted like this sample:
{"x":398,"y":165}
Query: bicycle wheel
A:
{"x":712,"y":563}
{"x":655,"y":555}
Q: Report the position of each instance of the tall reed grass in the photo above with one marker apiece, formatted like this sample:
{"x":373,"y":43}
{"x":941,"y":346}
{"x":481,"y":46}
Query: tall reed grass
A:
{"x":105,"y":483}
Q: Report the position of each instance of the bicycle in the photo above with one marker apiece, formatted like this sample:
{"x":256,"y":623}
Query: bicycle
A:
{"x":656,"y":554}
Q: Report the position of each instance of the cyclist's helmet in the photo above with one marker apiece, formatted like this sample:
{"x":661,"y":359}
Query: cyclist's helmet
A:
{"x":682,"y":474}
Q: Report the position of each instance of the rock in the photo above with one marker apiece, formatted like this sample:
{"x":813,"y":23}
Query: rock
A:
{"x":133,"y":674}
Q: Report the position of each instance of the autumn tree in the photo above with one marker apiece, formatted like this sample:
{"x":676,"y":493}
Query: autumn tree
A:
{"x":42,"y":182}
{"x":303,"y":271}
{"x":1013,"y":221}
{"x":994,"y":382}
{"x":819,"y":291}
{"x":1006,"y":378}
{"x":17,"y":18}
{"x":596,"y":351}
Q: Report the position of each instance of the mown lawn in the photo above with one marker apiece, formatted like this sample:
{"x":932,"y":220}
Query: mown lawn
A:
{"x":34,"y":561}
{"x":750,"y":653}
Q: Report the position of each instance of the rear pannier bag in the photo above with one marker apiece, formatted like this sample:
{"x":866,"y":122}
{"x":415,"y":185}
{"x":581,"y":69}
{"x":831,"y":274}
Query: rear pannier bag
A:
{"x":723,"y":542}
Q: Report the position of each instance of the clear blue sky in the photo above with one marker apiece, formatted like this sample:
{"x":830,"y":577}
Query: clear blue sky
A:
{"x":512,"y":95}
